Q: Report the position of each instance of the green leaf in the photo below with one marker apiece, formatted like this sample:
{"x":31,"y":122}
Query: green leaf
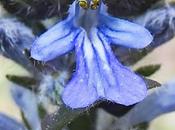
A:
{"x":25,"y":81}
{"x":42,"y":111}
{"x":148,"y":70}
{"x":61,"y":118}
{"x":84,"y":122}
{"x":141,"y":126}
{"x":151,"y":83}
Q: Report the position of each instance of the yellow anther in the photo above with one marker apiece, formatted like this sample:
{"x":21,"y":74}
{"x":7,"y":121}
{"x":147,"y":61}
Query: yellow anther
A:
{"x":94,"y":4}
{"x":84,"y":4}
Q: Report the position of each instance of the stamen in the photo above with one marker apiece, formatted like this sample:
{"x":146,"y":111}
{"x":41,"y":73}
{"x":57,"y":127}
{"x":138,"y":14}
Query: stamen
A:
{"x":84,"y":4}
{"x":94,"y":4}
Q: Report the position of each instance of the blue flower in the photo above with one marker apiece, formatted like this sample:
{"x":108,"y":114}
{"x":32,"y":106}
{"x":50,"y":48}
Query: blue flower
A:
{"x":99,"y":75}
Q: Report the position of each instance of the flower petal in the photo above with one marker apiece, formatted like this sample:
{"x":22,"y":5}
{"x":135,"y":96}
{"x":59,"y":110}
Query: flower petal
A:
{"x":80,"y":92}
{"x":57,"y":40}
{"x":160,"y":102}
{"x":124,"y":87}
{"x":123,"y":32}
{"x":132,"y":88}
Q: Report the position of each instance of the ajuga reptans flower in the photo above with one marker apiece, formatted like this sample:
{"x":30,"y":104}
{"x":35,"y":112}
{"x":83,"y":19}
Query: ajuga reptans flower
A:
{"x":99,"y":76}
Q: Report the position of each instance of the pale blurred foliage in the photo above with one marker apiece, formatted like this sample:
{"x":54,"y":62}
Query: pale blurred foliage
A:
{"x":2,"y":11}
{"x":6,"y":103}
{"x":164,"y":122}
{"x":164,"y":55}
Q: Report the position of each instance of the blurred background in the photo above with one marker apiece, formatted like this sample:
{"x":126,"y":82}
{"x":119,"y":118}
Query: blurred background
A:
{"x":164,"y":55}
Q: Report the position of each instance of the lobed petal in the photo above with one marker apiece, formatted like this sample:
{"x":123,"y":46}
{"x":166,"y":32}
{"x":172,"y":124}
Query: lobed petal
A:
{"x":123,"y":32}
{"x":80,"y":91}
{"x":100,"y":76}
{"x":58,"y":40}
{"x":130,"y":88}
